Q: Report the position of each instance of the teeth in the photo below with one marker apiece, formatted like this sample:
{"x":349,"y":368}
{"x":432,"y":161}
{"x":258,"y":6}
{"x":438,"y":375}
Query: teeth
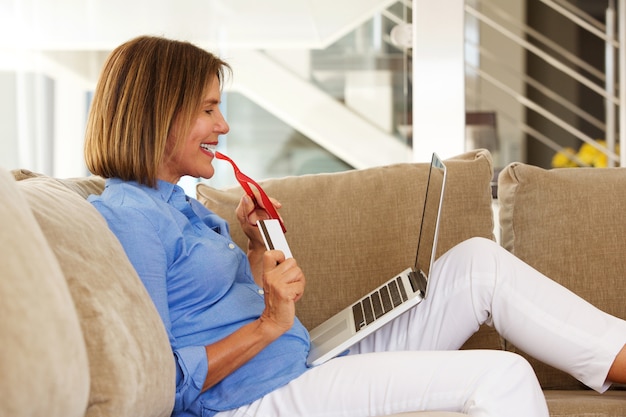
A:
{"x":208,"y":147}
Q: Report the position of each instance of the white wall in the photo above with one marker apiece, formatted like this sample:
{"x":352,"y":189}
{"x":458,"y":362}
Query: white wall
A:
{"x":438,"y":78}
{"x":43,"y":111}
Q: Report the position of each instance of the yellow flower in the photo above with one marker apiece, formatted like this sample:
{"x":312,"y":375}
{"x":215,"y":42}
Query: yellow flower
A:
{"x":564,"y":158}
{"x":587,"y":155}
{"x":601,"y":161}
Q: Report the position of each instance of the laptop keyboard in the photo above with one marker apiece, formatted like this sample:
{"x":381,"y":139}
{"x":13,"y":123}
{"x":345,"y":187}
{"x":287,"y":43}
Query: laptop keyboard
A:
{"x":378,"y":303}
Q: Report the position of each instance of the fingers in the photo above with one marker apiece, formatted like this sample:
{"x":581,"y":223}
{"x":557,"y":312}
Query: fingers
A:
{"x":248,"y":212}
{"x":283,"y":285}
{"x":272,"y":258}
{"x":281,"y":276}
{"x":276,"y":203}
{"x":247,"y":220}
{"x":244,"y":208}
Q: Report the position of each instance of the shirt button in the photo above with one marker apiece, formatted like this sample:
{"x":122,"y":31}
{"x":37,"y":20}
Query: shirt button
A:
{"x":231,"y":245}
{"x":261,"y":292}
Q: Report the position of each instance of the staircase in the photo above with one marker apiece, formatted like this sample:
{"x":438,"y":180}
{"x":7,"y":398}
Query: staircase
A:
{"x":546,"y":92}
{"x":564,"y":90}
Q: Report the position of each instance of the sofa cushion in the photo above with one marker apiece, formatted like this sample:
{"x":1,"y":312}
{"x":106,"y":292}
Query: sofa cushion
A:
{"x":83,"y":186}
{"x":131,"y":363}
{"x":357,"y":228}
{"x":43,"y":358}
{"x":567,"y":223}
{"x":429,"y":414}
{"x":586,"y":403}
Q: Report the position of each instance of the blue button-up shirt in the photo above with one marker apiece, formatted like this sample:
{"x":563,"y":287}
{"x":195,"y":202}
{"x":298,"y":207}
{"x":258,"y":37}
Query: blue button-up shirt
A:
{"x":202,"y":286}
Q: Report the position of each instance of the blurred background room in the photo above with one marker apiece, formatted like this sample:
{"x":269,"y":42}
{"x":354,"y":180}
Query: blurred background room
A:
{"x":326,"y":86}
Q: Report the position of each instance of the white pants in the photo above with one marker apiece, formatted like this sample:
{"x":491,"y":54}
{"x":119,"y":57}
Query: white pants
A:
{"x":412,"y":365}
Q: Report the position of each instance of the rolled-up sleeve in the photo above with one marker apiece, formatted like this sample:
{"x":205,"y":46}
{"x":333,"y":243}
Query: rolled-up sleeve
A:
{"x":191,"y":371}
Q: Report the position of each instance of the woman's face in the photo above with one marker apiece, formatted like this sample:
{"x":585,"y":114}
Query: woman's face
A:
{"x":193,"y":156}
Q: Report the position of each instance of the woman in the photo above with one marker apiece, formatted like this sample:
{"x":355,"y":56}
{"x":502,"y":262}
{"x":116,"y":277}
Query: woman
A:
{"x":230,"y":315}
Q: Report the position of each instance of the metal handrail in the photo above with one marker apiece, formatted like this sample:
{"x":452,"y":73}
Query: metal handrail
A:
{"x":537,"y":51}
{"x":545,"y":113}
{"x":528,"y":31}
{"x":528,"y":130}
{"x":580,"y":13}
{"x":607,"y":90}
{"x":611,"y":155}
{"x":572,"y":107}
{"x":596,"y":29}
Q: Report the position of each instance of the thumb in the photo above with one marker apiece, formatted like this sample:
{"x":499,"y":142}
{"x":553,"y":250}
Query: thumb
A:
{"x":245,"y":206}
{"x":271,"y":258}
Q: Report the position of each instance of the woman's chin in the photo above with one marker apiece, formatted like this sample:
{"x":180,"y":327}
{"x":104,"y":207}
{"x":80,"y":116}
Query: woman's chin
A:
{"x":207,"y":173}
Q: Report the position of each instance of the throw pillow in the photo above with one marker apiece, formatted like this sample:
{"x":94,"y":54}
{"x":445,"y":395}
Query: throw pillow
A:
{"x":131,"y":362}
{"x":43,"y":358}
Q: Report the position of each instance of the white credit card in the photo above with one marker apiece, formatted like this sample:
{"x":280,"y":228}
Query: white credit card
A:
{"x":273,"y":236}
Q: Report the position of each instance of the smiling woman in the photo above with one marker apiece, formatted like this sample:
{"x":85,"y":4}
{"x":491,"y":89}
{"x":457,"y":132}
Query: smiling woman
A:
{"x":124,"y":140}
{"x":190,"y":147}
{"x":230,"y":314}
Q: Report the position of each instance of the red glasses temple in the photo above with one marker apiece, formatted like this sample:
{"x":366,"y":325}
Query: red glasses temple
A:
{"x":245,"y":182}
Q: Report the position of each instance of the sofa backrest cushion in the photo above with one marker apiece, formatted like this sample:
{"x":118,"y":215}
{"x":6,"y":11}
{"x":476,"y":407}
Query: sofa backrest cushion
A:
{"x":43,"y":358}
{"x":355,"y":229}
{"x":130,"y":359}
{"x":83,"y":186}
{"x":568,"y":224}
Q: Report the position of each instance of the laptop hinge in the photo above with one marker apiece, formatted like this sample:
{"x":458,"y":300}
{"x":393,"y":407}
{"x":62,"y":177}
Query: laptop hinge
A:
{"x":418,"y":281}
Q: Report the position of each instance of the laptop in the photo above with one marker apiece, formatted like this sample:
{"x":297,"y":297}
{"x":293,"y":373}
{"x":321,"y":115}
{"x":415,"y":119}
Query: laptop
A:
{"x":402,"y":292}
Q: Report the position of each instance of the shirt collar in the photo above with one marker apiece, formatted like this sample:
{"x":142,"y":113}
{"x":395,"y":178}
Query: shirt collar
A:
{"x":166,"y":191}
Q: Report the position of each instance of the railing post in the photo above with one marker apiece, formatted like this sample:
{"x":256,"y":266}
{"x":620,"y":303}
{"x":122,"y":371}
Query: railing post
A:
{"x":622,"y":80}
{"x":609,"y":67}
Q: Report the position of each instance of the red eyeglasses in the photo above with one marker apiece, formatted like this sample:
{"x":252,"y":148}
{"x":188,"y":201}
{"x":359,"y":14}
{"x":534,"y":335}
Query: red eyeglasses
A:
{"x":245,"y":182}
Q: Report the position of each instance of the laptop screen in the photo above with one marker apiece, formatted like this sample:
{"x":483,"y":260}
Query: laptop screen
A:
{"x":426,"y":246}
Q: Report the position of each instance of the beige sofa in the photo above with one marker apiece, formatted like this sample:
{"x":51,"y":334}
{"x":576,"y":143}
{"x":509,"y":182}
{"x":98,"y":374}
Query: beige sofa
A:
{"x":81,"y":336}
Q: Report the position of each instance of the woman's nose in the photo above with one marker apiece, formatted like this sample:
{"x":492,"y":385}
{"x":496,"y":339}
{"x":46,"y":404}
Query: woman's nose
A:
{"x":222,"y":127}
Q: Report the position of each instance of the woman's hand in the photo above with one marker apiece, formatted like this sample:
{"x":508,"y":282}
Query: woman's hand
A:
{"x":283,"y":285}
{"x":248,"y":214}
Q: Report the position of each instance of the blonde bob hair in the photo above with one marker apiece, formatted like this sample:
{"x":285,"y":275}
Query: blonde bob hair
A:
{"x":145,"y":85}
